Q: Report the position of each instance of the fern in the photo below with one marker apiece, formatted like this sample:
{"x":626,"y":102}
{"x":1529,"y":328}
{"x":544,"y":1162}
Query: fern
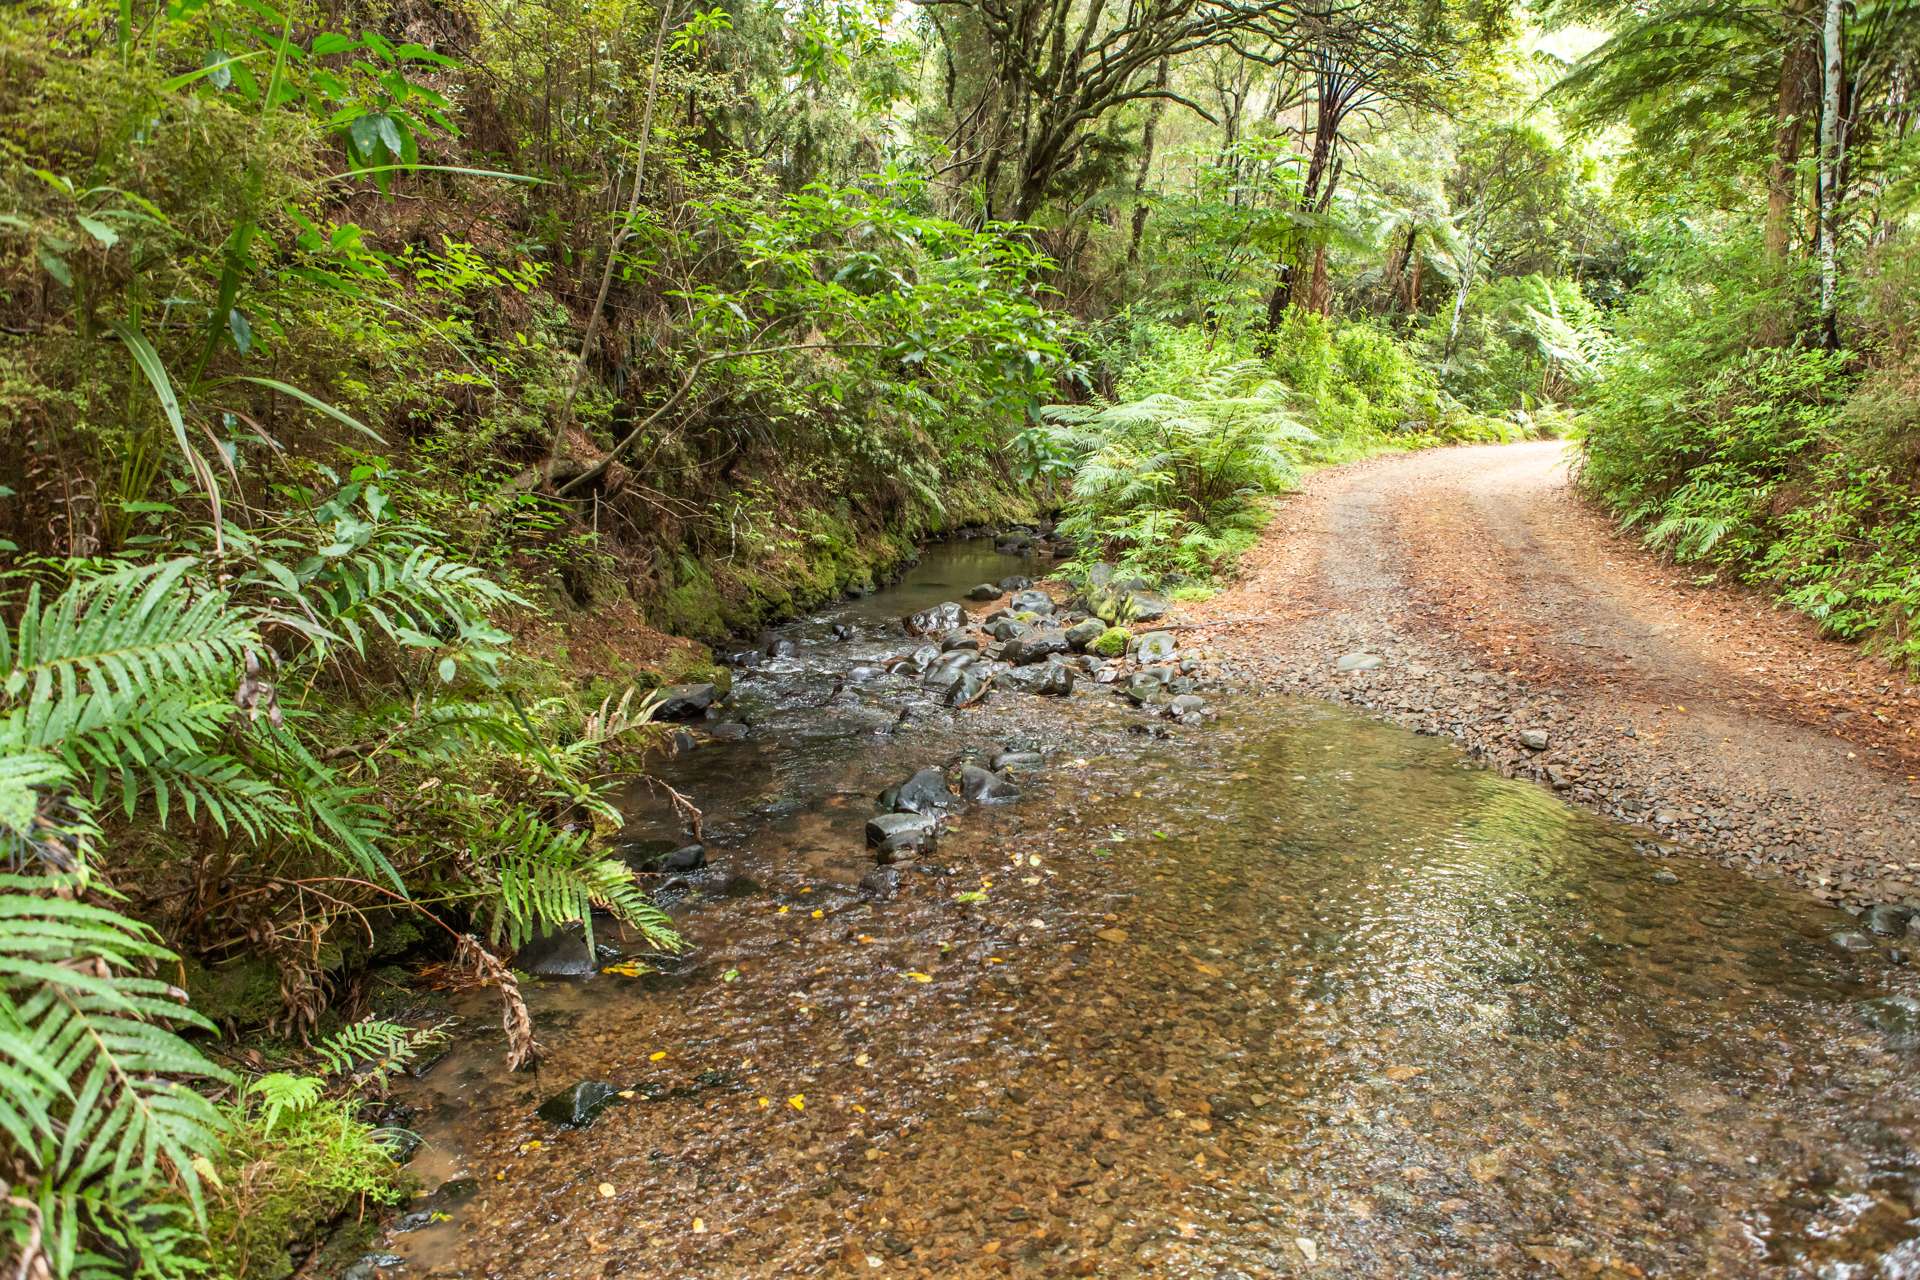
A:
{"x":283,"y":1093}
{"x":548,"y":879}
{"x":97,"y":1087}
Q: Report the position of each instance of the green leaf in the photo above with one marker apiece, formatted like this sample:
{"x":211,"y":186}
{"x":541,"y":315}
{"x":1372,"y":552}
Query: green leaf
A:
{"x":312,"y":402}
{"x":56,"y":266}
{"x":241,"y":329}
{"x":448,"y":669}
{"x":99,"y":230}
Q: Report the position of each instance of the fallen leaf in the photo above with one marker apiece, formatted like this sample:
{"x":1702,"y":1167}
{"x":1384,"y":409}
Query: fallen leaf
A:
{"x":798,"y":1102}
{"x":699,"y":1226}
{"x":1404,"y":1073}
{"x":1112,"y":935}
{"x":1308,"y":1249}
{"x":606,"y":1191}
{"x":917,"y":976}
{"x":818,"y":913}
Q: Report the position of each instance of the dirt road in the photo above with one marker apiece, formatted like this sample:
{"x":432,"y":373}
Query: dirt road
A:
{"x":1506,"y":612}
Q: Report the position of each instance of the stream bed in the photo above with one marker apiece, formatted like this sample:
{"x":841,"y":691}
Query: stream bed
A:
{"x":1289,"y":993}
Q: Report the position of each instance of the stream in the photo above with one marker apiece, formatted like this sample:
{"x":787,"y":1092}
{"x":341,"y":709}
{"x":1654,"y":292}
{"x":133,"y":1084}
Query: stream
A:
{"x":1289,"y":993}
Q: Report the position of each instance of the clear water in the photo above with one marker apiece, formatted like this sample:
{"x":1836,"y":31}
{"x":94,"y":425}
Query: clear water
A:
{"x":1290,"y":994}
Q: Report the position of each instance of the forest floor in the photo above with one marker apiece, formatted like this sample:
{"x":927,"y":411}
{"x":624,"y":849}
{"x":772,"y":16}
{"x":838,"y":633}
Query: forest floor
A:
{"x":1508,"y":613}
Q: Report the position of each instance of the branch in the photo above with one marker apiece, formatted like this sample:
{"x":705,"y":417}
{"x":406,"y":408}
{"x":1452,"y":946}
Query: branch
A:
{"x":632,"y":437}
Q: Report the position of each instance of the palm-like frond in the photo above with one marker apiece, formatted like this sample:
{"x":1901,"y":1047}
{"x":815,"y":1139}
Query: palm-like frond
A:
{"x":548,"y":879}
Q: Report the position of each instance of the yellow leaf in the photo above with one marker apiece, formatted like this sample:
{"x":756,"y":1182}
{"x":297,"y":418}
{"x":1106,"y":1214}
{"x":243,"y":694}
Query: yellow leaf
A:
{"x":606,"y":1191}
{"x":782,"y":911}
{"x":798,"y":1102}
{"x":818,"y":913}
{"x":204,"y":1167}
{"x":699,"y":1226}
{"x":765,"y":1102}
{"x":1404,"y":1073}
{"x":656,"y":1055}
{"x":917,"y":976}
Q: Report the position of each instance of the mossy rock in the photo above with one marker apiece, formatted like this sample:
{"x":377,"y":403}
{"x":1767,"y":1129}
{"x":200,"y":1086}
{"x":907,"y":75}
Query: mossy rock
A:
{"x":1113,"y":643}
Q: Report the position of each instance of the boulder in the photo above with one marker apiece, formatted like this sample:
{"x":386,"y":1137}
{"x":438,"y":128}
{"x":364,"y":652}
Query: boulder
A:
{"x":1359,"y":662}
{"x":954,"y":641}
{"x":744,"y":658}
{"x":782,"y":648}
{"x":1034,"y":602}
{"x":842,"y":631}
{"x":1082,"y":635}
{"x":1154,"y":646}
{"x":1146,"y":606}
{"x":924,"y":793}
{"x":1015,"y":582}
{"x":1005,"y":628}
{"x":580,"y":1106}
{"x":1534,"y":739}
{"x":1190,"y":708}
{"x":1887,"y":919}
{"x":557,"y":953}
{"x":969,"y":688}
{"x":1895,"y":1017}
{"x":984,"y":787}
{"x":938,"y":620}
{"x":1112,"y":642}
{"x":892,"y":834}
{"x":1016,"y":758}
{"x":684,"y":701}
{"x":985,"y":591}
{"x":1054,"y":679}
{"x":1035,"y":645}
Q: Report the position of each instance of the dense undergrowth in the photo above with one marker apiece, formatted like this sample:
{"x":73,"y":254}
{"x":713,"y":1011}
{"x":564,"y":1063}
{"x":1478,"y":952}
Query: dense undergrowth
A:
{"x":396,"y":393}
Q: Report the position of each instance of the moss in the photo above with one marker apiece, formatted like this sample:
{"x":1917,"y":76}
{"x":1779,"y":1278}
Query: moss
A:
{"x":283,"y":1189}
{"x":244,"y":992}
{"x":1112,"y":642}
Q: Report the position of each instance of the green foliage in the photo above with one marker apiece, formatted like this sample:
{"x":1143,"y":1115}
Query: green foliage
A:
{"x":1526,"y":342}
{"x":1167,"y":482}
{"x":1112,"y":642}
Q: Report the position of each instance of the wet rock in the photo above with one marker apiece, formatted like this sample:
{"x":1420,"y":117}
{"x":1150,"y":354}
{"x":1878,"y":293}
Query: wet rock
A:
{"x":401,"y":1145}
{"x":925,"y":792}
{"x":744,"y":658}
{"x":1533,"y":739}
{"x":1112,"y":642}
{"x":1887,"y":919}
{"x":1015,"y":582}
{"x":782,"y":648}
{"x":864,"y":673}
{"x":984,"y":787}
{"x":372,"y":1266}
{"x":580,"y":1106}
{"x":1359,"y":662}
{"x":969,"y":688}
{"x":1895,"y":1017}
{"x":1082,"y":635}
{"x":1663,"y":876}
{"x":1035,"y":645}
{"x":881,"y":882}
{"x":557,"y":953}
{"x":893,"y":833}
{"x":1016,"y":758}
{"x":1850,"y":940}
{"x":728,"y":731}
{"x":1146,"y":606}
{"x":688,"y":857}
{"x":1154,"y":646}
{"x":842,"y":631}
{"x":985,"y":591}
{"x":955,"y":641}
{"x":684,"y":701}
{"x":1006,"y":628}
{"x":938,"y":620}
{"x":1190,"y":708}
{"x":1053,"y":679}
{"x":1036,"y":602}
{"x":925,"y":656}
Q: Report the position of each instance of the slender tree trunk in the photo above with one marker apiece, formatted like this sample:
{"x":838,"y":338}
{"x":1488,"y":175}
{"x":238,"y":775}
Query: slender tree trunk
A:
{"x":1140,"y":210}
{"x":1832,"y":142}
{"x":1797,"y":64}
{"x":1466,"y":276}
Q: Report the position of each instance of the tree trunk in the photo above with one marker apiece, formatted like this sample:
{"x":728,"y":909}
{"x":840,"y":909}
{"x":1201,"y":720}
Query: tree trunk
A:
{"x":1832,"y":143}
{"x":1154,"y":110}
{"x":1796,"y":69}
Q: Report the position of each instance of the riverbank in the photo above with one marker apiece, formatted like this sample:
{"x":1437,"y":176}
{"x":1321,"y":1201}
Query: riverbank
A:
{"x":1508,"y":615}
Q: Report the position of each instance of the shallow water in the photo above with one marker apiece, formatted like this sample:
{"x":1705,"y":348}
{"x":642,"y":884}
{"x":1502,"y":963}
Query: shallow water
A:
{"x":1293,"y":993}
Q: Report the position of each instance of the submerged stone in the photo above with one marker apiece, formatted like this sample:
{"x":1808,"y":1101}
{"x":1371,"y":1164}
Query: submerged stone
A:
{"x":580,"y":1106}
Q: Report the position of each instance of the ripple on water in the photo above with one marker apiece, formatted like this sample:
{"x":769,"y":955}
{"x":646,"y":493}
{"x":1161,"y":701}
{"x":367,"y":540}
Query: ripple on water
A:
{"x":1293,"y":993}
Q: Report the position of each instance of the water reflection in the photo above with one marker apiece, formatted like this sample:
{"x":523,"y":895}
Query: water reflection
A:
{"x":1292,"y":994}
